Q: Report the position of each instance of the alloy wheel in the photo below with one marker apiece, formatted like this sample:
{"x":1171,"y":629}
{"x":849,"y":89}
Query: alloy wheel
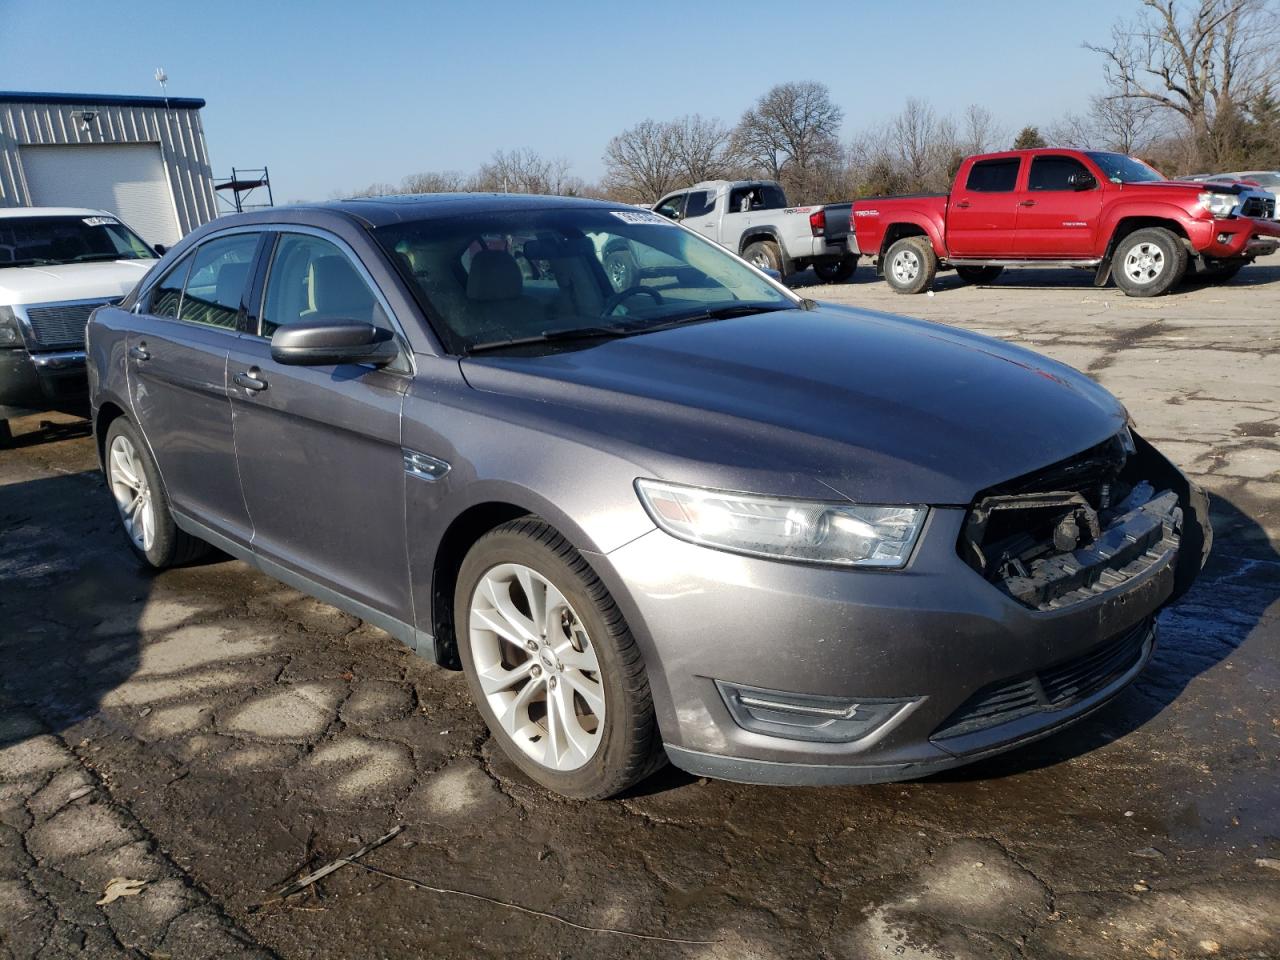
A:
{"x":132,"y":492}
{"x":905,"y":266}
{"x":536,"y":666}
{"x":1144,"y":263}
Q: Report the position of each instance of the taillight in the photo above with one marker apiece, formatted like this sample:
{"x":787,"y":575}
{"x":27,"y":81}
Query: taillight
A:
{"x":818,"y":222}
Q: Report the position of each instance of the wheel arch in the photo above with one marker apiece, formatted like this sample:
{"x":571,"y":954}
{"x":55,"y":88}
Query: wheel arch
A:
{"x":901,"y":229}
{"x":107,"y":413}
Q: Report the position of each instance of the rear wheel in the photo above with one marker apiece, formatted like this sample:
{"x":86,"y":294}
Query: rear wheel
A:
{"x":764,"y":255}
{"x":910,"y":265}
{"x":551,"y":665}
{"x":1149,"y":262}
{"x":978,"y":274}
{"x":835,"y":271}
{"x":141,"y":503}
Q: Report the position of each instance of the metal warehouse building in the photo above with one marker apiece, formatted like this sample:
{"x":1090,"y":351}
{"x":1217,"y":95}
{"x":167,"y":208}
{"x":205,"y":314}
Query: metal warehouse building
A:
{"x":142,"y":158}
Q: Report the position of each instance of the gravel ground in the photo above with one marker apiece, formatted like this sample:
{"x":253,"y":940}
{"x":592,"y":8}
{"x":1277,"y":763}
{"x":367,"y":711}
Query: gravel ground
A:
{"x":215,"y":734}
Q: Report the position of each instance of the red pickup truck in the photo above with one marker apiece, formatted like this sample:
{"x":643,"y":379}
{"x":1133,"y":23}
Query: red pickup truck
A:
{"x":1081,"y":208}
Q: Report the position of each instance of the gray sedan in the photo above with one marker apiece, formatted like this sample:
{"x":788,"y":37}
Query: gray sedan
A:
{"x":682,"y":514}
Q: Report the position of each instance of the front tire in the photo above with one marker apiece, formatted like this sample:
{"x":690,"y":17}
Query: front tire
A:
{"x":764,"y":255}
{"x":978,"y":274}
{"x":141,"y":503}
{"x":910,"y":265}
{"x":551,"y":664}
{"x":1147,"y":263}
{"x":835,"y":271}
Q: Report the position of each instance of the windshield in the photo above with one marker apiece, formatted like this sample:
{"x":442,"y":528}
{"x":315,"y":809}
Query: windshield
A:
{"x":39,"y":241}
{"x":526,"y":275}
{"x":1121,"y":169}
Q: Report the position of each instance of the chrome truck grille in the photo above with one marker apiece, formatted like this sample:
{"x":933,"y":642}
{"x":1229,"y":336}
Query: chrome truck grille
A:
{"x":60,"y":326}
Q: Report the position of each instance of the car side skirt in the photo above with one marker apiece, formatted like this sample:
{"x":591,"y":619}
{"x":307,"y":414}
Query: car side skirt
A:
{"x":419,"y":641}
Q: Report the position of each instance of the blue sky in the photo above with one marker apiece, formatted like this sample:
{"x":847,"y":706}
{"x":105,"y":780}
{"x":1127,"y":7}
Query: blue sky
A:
{"x":336,"y":95}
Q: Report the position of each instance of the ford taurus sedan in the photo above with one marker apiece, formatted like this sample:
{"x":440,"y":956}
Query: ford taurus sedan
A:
{"x":694,"y":518}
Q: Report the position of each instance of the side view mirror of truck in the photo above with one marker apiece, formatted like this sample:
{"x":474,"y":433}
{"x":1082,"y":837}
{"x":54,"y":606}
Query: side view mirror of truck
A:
{"x":1082,"y":181}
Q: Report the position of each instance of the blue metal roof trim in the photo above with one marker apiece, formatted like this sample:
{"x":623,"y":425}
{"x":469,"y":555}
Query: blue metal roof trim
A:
{"x":100,"y":100}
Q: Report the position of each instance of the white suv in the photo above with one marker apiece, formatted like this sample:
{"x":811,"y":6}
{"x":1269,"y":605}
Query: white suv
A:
{"x":57,"y":264}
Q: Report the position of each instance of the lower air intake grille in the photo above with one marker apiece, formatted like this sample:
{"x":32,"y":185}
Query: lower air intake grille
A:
{"x":61,"y":324}
{"x":1050,"y":689}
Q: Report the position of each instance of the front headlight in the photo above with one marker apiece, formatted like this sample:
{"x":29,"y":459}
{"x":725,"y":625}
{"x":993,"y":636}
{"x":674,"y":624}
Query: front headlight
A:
{"x":10,"y":335}
{"x":845,"y":534}
{"x":1219,"y":204}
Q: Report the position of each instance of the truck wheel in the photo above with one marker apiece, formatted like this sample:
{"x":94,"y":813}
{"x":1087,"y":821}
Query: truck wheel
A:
{"x":141,"y":504}
{"x":1148,"y":262}
{"x":978,"y":274}
{"x":910,"y":265}
{"x":835,"y":271}
{"x":552,"y":667}
{"x":764,"y":255}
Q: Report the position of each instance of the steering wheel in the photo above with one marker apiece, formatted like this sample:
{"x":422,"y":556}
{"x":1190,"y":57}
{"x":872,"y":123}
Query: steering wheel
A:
{"x":615,"y":301}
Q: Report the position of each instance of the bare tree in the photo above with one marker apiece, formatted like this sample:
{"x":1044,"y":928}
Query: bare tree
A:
{"x":525,"y":171}
{"x":640,"y":163}
{"x":981,"y":133}
{"x":1203,"y":61}
{"x":792,"y":134}
{"x":434,"y":181}
{"x":702,"y":148}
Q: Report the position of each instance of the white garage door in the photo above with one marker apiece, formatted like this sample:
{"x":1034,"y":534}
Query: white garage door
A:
{"x":126,"y":178}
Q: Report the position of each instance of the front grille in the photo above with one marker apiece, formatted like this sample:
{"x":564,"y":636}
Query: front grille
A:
{"x":61,"y":325}
{"x":1263,"y":208}
{"x":1048,"y":690}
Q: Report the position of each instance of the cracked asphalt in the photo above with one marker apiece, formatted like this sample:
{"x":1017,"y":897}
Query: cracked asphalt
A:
{"x":216,"y":735}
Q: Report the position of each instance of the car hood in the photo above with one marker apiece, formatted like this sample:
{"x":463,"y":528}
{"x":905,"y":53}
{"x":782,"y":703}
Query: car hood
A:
{"x":880,"y":408}
{"x":70,"y":281}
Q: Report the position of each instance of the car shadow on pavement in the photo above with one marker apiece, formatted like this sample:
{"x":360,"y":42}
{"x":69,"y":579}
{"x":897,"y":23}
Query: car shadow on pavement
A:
{"x":70,"y":598}
{"x":1237,"y":587}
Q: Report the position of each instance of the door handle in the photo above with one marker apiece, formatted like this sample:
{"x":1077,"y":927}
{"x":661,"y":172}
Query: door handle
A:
{"x":250,"y":379}
{"x":1026,"y":203}
{"x":140,"y":351}
{"x":963,"y":204}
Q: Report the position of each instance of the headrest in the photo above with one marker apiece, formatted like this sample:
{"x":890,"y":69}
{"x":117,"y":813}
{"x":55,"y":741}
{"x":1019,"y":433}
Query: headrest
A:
{"x":494,"y":275}
{"x":230,"y":284}
{"x":337,"y":290}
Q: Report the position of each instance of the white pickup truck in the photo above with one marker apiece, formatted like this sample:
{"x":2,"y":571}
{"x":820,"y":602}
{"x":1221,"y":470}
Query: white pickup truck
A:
{"x":57,"y":264}
{"x":751,"y":218}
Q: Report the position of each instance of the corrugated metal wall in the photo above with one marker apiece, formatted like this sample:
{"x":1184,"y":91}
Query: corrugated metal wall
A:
{"x":177,"y":131}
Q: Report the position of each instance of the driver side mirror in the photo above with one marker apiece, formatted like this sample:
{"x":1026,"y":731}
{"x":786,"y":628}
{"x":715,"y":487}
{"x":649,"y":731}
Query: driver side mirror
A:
{"x":1082,"y":181}
{"x":160,"y":249}
{"x":320,"y":344}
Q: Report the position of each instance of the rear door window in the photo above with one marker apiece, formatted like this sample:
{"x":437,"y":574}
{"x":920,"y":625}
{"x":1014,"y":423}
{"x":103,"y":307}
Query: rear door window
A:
{"x":166,"y":295}
{"x":993,"y":176}
{"x":699,"y":204}
{"x":220,"y":272}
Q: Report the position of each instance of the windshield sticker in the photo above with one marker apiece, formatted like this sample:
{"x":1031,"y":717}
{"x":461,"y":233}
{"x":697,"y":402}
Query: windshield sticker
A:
{"x":641,"y":217}
{"x":98,"y":221}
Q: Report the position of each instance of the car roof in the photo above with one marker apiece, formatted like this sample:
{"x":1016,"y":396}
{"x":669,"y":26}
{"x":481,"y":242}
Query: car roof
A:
{"x":401,"y":208}
{"x":54,"y":212}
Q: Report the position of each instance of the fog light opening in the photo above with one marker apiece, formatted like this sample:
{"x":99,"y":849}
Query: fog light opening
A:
{"x":803,"y":716}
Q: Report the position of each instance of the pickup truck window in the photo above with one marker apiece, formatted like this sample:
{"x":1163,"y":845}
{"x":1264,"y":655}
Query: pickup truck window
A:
{"x":43,"y":241}
{"x":1054,"y":173}
{"x":993,"y":176}
{"x":699,"y":204}
{"x":762,"y":196}
{"x":672,"y":208}
{"x":1122,"y":169}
